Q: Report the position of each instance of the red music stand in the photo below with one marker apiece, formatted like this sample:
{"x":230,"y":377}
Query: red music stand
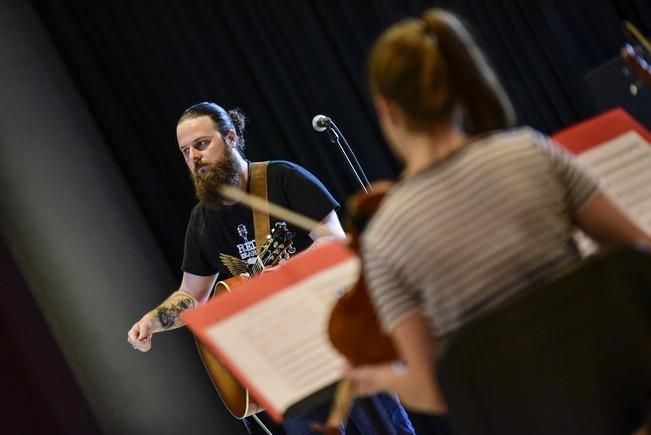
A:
{"x":599,"y":129}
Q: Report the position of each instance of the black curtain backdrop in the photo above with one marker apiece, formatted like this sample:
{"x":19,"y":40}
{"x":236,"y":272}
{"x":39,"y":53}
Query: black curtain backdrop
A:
{"x":138,"y":64}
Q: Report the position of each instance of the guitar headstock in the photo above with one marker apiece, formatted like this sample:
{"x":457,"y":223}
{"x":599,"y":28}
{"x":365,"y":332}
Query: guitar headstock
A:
{"x":278,"y":244}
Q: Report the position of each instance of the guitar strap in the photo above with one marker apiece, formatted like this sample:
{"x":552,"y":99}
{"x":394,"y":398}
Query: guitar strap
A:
{"x":260,"y":218}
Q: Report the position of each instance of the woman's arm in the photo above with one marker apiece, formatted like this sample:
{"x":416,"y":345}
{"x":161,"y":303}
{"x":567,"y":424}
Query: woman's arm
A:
{"x":602,"y":220}
{"x":413,"y":379}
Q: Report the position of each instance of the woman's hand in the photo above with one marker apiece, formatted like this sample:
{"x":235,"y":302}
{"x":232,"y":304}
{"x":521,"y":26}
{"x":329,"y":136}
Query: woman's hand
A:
{"x":372,"y":379}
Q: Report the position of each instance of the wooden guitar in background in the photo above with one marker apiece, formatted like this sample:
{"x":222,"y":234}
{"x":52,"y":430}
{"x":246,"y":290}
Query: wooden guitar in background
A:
{"x":236,"y":398}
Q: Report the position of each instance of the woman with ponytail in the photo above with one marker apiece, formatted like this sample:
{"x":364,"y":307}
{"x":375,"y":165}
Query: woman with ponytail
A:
{"x":482,"y":210}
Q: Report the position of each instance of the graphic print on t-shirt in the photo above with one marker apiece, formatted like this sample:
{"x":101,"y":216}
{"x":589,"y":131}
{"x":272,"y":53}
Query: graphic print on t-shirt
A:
{"x":247,"y":251}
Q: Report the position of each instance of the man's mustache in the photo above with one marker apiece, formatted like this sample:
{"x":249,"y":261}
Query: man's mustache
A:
{"x":200,"y":165}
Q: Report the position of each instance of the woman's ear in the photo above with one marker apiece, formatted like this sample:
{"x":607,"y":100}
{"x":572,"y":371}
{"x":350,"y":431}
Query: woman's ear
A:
{"x":381,"y":107}
{"x":391,"y":122}
{"x":388,"y":111}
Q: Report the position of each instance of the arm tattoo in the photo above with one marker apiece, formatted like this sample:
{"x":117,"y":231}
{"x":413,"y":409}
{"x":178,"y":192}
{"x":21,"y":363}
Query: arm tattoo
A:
{"x":168,"y":314}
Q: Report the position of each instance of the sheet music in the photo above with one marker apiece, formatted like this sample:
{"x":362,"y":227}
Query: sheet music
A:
{"x":281,"y":342}
{"x":624,"y":166}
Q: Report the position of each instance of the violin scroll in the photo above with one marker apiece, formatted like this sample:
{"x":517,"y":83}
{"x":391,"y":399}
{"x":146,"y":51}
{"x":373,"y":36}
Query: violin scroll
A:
{"x":637,"y":54}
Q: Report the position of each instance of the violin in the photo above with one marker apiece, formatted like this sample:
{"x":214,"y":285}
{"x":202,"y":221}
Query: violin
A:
{"x":354,"y":329}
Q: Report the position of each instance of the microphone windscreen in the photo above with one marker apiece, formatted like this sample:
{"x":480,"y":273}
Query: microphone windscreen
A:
{"x":320,"y":122}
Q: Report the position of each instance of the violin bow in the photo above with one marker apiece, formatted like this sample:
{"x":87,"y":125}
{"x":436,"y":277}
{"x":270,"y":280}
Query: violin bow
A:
{"x":257,"y":203}
{"x":638,"y":36}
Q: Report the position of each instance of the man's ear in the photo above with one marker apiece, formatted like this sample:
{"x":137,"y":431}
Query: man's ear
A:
{"x":231,"y":139}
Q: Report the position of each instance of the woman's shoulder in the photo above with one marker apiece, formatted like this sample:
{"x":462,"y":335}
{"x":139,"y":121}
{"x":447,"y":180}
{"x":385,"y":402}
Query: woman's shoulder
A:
{"x":513,"y":135}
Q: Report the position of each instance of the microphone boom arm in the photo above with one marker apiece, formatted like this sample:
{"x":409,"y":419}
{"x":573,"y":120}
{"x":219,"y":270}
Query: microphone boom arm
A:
{"x":334,"y":135}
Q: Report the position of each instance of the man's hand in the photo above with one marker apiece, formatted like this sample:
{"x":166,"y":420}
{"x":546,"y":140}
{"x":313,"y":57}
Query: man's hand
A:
{"x":165,"y":317}
{"x":139,"y":336}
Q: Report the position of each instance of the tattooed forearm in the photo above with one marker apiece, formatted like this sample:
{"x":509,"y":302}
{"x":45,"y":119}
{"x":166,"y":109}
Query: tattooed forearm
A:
{"x":168,"y":313}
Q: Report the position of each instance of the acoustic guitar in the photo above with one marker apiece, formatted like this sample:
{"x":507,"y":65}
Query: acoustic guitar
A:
{"x":236,"y":398}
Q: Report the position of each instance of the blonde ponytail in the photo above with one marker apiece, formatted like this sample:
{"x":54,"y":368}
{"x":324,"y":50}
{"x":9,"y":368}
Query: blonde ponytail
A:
{"x":430,"y":66}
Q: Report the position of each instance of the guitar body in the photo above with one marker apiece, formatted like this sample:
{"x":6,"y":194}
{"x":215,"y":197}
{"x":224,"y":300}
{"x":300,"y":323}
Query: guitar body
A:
{"x":236,"y":398}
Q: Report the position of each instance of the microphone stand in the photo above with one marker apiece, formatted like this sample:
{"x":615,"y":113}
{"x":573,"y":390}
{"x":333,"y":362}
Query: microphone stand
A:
{"x":377,"y":417}
{"x":334,"y":134}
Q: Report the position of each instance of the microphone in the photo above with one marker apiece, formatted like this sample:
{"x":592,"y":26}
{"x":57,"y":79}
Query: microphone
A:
{"x":321,"y":122}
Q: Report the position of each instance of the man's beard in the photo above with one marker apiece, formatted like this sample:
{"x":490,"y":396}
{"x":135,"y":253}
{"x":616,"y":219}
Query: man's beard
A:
{"x":208,"y":183}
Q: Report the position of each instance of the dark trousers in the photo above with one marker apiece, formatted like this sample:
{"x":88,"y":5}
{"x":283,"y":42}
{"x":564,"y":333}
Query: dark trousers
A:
{"x":361,"y":421}
{"x":430,"y":424}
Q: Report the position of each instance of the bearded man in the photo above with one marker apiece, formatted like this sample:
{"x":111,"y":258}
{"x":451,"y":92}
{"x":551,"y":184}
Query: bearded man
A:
{"x":218,"y":239}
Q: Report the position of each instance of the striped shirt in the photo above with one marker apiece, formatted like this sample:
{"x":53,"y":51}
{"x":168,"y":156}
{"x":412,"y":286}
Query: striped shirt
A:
{"x":473,"y":229}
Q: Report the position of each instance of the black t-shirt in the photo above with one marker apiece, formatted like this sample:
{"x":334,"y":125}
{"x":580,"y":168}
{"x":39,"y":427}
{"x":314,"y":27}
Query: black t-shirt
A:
{"x":214,"y":237}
